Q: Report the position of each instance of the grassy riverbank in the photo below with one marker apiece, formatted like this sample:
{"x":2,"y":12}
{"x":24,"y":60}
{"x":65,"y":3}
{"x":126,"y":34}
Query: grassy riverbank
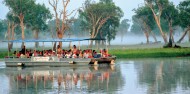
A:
{"x":150,"y":52}
{"x":133,"y":51}
{"x":141,"y":53}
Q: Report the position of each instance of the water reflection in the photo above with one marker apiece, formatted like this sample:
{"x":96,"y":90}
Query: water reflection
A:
{"x":62,"y":80}
{"x":138,"y":76}
{"x":170,"y":76}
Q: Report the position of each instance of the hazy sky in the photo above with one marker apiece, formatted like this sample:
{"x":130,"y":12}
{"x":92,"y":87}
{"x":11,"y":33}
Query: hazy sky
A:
{"x":126,"y":5}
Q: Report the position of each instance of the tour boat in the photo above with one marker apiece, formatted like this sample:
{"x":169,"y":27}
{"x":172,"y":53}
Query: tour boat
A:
{"x":12,"y":61}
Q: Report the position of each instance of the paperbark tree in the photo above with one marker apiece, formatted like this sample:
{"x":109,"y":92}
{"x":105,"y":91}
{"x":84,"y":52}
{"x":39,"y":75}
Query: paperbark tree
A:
{"x":20,"y":8}
{"x":146,"y":20}
{"x":123,"y":28}
{"x":157,"y":7}
{"x":13,"y":22}
{"x":96,"y":15}
{"x":170,"y":13}
{"x":38,"y":20}
{"x":61,"y":17}
{"x":184,"y":16}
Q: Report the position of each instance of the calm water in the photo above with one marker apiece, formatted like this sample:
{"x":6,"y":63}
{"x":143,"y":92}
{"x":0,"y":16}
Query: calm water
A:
{"x":140,"y":76}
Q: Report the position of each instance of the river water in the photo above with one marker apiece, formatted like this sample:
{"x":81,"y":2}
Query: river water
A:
{"x":135,"y":76}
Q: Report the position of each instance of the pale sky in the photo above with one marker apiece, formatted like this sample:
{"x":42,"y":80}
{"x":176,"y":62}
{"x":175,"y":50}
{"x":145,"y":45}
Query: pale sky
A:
{"x":126,"y":5}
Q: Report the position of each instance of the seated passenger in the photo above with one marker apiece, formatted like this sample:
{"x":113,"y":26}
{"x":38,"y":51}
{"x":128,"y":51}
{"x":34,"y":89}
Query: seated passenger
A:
{"x":74,"y":56}
{"x":27,"y":54}
{"x":63,"y":53}
{"x":74,"y":50}
{"x":35,"y":53}
{"x":95,"y":55}
{"x":85,"y":55}
{"x":68,"y":55}
{"x":46,"y":54}
{"x":18,"y":54}
{"x":90,"y":54}
{"x":53,"y":53}
{"x":59,"y":50}
{"x":80,"y":54}
{"x":105,"y":53}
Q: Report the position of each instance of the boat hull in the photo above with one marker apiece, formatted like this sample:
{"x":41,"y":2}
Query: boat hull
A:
{"x":55,"y":61}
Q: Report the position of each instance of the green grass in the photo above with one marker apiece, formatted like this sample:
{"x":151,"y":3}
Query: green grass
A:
{"x":3,"y":54}
{"x":150,"y":53}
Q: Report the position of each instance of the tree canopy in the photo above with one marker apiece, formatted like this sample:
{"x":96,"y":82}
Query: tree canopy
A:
{"x":100,"y":19}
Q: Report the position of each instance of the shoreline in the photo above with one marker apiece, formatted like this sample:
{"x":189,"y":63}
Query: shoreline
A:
{"x":154,"y":50}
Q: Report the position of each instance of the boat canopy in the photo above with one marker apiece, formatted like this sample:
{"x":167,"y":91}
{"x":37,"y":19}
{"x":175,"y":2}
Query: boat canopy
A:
{"x":55,"y":40}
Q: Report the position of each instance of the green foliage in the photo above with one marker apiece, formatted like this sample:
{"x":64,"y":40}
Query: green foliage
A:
{"x":3,"y":28}
{"x":124,"y":26}
{"x":136,"y":27}
{"x":171,"y":13}
{"x":93,"y":13}
{"x":144,"y":14}
{"x":18,"y":7}
{"x":12,"y":18}
{"x":75,"y":28}
{"x":35,"y":15}
{"x":184,"y":13}
{"x":38,"y":17}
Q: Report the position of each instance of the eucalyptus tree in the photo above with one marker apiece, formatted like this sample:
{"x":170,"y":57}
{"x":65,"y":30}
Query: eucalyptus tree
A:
{"x":170,"y":13}
{"x":12,"y":23}
{"x":37,"y":19}
{"x":146,"y":20}
{"x":184,"y":16}
{"x":3,"y":28}
{"x":75,"y":28}
{"x":97,"y":18}
{"x":157,"y":7}
{"x":136,"y":27}
{"x":123,"y":27}
{"x":20,"y":9}
{"x":62,"y":17}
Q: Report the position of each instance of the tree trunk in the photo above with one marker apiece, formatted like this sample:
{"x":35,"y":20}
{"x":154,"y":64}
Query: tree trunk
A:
{"x":60,"y":36}
{"x":171,"y":33}
{"x":12,"y":34}
{"x":189,"y":35}
{"x":54,"y":46}
{"x":182,"y":37}
{"x":21,"y":18}
{"x":12,"y":37}
{"x":157,"y":19}
{"x":147,"y":37}
{"x":154,"y":37}
{"x":152,"y":33}
{"x":9,"y":38}
{"x":162,"y":33}
{"x":36,"y":33}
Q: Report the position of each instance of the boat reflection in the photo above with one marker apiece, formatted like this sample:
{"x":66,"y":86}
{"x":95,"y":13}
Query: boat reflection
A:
{"x":65,"y":79}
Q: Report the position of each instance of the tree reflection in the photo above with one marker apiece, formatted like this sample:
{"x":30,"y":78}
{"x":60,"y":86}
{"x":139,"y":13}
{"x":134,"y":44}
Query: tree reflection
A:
{"x":65,"y":80}
{"x":163,"y":75}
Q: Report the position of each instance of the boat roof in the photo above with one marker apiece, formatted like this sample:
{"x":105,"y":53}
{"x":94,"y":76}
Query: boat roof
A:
{"x":55,"y":40}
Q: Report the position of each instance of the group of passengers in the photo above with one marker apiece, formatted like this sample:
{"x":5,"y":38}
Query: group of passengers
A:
{"x":62,"y":53}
